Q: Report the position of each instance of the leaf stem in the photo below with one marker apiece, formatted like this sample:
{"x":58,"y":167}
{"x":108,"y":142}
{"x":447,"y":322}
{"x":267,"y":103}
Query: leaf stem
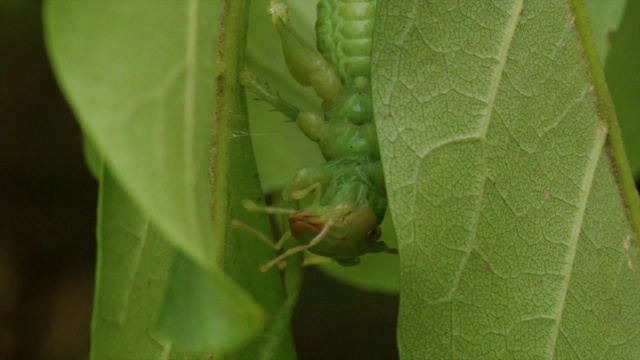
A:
{"x":615,"y":146}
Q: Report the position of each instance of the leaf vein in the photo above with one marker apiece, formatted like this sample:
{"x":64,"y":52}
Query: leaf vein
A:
{"x":190,"y":117}
{"x":586,"y":186}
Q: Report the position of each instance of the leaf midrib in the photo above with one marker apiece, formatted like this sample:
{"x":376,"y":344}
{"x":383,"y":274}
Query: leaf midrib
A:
{"x":510,"y":31}
{"x":483,"y":128}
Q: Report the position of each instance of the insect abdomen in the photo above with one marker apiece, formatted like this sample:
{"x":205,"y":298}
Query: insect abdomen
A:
{"x":344,"y":30}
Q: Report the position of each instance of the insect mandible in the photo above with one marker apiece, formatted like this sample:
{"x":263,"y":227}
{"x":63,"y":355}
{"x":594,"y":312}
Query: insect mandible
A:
{"x":343,"y":221}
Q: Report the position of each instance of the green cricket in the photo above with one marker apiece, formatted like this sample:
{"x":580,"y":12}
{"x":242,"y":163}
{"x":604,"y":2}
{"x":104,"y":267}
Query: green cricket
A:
{"x":342,"y":222}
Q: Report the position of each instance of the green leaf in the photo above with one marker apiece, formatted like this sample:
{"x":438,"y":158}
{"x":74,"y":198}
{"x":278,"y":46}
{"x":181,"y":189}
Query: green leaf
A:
{"x":516,"y":214}
{"x":141,"y":77}
{"x":132,"y":273}
{"x":137,"y":84}
{"x":623,"y":79}
{"x":212,"y":321}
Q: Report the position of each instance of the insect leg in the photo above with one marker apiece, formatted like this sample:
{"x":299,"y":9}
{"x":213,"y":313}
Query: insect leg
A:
{"x":305,"y":181}
{"x":283,"y":239}
{"x":294,"y":250}
{"x":310,"y":123}
{"x":302,"y":193}
{"x":316,"y":260}
{"x":249,"y":80}
{"x":306,"y":64}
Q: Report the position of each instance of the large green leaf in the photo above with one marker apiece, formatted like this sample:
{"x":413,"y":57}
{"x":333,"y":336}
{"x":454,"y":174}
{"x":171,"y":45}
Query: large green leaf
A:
{"x":143,"y":79}
{"x":507,"y":182}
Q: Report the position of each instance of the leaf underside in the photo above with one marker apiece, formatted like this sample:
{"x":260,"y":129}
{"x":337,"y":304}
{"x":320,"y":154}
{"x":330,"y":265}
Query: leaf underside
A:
{"x":515,"y":239}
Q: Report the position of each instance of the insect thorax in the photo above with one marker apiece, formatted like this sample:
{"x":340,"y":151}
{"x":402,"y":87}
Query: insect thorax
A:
{"x":360,"y":179}
{"x":350,"y":178}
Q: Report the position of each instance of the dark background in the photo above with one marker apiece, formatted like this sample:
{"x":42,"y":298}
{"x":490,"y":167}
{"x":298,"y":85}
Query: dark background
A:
{"x":48,"y":203}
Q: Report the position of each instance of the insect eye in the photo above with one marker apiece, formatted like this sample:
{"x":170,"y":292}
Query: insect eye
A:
{"x":374,"y":233}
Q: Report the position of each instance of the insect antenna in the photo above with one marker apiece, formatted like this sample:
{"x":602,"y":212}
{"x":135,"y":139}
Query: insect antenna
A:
{"x":294,"y":250}
{"x":272,"y":210}
{"x":259,"y":234}
{"x":264,"y":238}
